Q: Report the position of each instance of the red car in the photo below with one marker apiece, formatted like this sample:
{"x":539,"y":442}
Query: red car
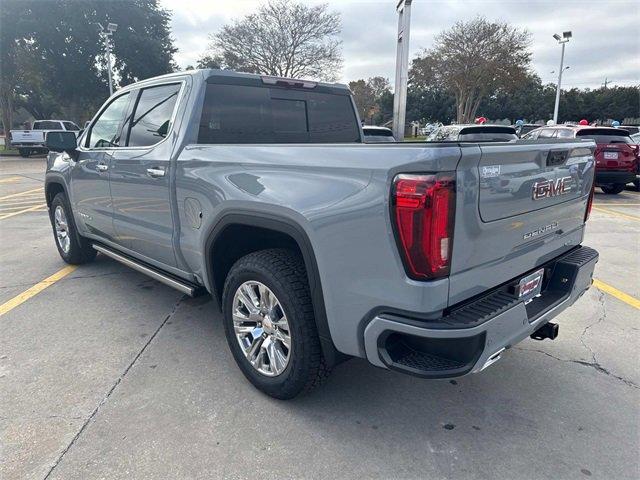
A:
{"x":617,"y":157}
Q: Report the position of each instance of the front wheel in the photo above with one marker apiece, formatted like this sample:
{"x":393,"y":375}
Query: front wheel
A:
{"x":613,"y":189}
{"x":269,"y":323}
{"x":73,"y":248}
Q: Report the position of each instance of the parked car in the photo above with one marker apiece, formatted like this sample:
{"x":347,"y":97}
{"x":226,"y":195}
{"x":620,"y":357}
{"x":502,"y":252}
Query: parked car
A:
{"x":617,"y":157}
{"x":473,"y":133}
{"x":525,"y":128}
{"x":33,"y":141}
{"x":374,"y":134}
{"x":318,"y":247}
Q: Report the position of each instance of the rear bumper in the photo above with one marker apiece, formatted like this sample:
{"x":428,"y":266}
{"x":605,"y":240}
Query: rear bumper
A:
{"x":608,"y":178}
{"x":27,"y":145}
{"x":471,"y":336}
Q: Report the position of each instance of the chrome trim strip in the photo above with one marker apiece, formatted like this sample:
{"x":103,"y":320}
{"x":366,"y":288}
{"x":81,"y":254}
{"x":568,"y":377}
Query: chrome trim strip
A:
{"x":181,"y":287}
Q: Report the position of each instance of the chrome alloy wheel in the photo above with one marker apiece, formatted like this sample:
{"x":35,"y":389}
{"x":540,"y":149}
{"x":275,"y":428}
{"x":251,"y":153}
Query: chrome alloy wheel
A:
{"x":62,"y":229}
{"x":261,"y":328}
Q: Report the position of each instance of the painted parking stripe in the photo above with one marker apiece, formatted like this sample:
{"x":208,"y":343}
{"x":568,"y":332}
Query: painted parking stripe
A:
{"x":617,"y":214}
{"x":22,"y":193}
{"x":30,"y":209}
{"x":36,"y":289}
{"x":624,"y":297}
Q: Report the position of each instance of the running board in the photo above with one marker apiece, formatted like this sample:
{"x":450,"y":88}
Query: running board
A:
{"x":173,"y":282}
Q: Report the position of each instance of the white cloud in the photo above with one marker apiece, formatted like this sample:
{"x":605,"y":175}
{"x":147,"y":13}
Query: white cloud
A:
{"x":604,"y":44}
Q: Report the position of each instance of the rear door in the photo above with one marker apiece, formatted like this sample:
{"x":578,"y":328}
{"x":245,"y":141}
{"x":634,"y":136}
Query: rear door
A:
{"x":140,"y":175}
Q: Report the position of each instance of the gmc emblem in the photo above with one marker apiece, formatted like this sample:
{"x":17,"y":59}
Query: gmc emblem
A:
{"x":551,"y":188}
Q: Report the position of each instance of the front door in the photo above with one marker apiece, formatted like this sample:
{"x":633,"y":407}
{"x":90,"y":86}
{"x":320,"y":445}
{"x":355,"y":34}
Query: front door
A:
{"x":90,"y":193}
{"x":140,"y":177}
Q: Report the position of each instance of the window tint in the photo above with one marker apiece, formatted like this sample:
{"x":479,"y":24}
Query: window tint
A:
{"x":247,"y":114}
{"x":70,"y":126}
{"x":47,"y":125}
{"x":152,"y":117}
{"x":602,"y":135}
{"x":377,"y":132}
{"x":487,"y":137}
{"x":106,"y":129}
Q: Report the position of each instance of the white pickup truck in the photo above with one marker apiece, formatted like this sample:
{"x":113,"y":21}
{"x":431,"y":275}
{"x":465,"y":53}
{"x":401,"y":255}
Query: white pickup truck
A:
{"x":32,"y":141}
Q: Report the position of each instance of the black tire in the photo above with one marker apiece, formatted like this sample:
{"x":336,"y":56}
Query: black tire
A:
{"x":283,"y":272}
{"x":80,"y":250}
{"x":613,"y":189}
{"x":24,"y":152}
{"x":636,"y":184}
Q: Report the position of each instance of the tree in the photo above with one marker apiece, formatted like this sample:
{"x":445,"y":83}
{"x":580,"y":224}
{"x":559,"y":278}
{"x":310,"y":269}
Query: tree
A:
{"x":283,"y":39}
{"x":59,"y":66}
{"x":368,"y":96}
{"x":474,"y":59}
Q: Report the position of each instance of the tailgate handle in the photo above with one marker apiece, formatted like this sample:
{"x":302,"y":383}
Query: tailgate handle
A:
{"x":557,"y":157}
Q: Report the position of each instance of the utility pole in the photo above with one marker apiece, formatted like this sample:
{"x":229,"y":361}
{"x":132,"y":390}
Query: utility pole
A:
{"x":111,"y":27}
{"x":402,"y":69}
{"x":606,"y":82}
{"x":562,"y":41}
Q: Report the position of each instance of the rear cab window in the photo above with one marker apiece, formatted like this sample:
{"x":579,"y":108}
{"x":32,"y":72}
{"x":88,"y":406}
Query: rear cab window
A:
{"x":259,"y":113}
{"x":47,"y":125}
{"x":70,"y":126}
{"x":487,"y":134}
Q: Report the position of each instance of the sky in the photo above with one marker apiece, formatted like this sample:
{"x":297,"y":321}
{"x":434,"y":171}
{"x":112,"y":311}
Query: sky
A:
{"x":605,"y":43}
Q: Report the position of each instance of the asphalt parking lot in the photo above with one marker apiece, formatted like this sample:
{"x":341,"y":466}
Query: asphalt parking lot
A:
{"x":105,"y":373}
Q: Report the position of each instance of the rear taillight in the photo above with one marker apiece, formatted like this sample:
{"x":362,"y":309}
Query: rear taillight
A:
{"x":590,"y":201}
{"x":423,"y":209}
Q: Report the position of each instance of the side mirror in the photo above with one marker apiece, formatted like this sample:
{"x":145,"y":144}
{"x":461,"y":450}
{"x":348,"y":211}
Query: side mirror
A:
{"x":61,"y":141}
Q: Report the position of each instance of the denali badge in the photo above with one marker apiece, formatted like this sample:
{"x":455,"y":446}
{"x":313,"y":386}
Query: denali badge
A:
{"x":540,"y":231}
{"x":551,"y":188}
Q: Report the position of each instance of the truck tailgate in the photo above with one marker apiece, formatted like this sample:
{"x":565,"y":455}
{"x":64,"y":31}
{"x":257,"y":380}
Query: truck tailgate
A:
{"x":518,"y":205}
{"x":27,"y":136}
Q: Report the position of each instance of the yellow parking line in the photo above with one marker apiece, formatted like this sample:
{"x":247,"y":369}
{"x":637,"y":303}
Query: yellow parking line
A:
{"x":624,"y":297}
{"x":30,"y":209}
{"x":617,"y":214}
{"x":22,"y":193}
{"x":36,"y":289}
{"x":617,"y":204}
{"x":10,"y":179}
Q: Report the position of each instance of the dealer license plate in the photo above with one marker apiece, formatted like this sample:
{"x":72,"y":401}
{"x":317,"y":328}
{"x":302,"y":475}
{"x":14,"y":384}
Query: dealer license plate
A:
{"x":531,"y":285}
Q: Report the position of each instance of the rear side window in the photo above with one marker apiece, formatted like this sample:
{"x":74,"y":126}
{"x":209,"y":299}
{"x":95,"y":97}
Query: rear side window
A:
{"x":47,"y":125}
{"x":565,"y":133}
{"x":547,"y":133}
{"x":247,"y":114}
{"x":71,"y":126}
{"x":151,"y":120}
{"x":602,"y":135}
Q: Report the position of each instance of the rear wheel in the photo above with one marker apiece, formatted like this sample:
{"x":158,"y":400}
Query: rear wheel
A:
{"x":613,"y":189}
{"x":636,"y":183}
{"x":24,"y":152}
{"x":269,"y":323}
{"x":71,"y":246}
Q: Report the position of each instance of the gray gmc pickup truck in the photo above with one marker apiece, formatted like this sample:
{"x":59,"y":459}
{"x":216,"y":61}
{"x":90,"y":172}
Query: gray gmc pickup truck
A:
{"x":317,"y":246}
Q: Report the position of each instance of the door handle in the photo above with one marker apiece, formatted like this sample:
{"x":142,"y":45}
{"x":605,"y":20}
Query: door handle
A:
{"x":101,"y":167}
{"x":156,"y":172}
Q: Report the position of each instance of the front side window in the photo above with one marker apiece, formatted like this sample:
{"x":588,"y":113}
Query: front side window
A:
{"x":107,"y":129}
{"x":152,"y":117}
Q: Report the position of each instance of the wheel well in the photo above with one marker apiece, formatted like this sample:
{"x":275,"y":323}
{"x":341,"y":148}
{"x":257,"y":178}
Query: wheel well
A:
{"x":51,"y":190}
{"x":236,"y":241}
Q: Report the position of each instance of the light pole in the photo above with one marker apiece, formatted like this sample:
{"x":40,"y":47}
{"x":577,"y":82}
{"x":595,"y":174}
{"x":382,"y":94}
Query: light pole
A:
{"x":402,"y":68}
{"x":111,"y":27}
{"x":562,"y":41}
